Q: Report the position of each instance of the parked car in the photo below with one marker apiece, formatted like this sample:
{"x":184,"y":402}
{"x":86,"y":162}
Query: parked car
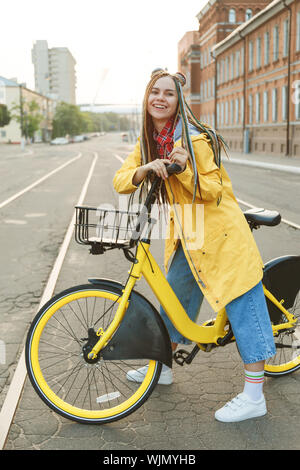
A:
{"x":78,"y":138}
{"x":59,"y":141}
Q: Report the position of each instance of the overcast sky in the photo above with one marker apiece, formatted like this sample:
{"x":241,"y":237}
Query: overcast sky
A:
{"x":127,"y":38}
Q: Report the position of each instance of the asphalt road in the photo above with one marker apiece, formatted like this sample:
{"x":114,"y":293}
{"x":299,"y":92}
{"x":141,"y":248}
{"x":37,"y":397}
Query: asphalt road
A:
{"x":33,"y":227}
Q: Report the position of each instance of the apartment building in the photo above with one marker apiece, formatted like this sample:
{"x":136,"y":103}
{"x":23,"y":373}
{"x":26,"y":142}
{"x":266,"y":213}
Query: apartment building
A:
{"x":54,"y":72}
{"x":18,"y":97}
{"x":249,"y":88}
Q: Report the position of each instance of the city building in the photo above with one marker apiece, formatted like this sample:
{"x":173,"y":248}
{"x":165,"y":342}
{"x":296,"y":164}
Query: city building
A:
{"x":246,"y":83}
{"x":54,"y":72}
{"x":17,"y":97}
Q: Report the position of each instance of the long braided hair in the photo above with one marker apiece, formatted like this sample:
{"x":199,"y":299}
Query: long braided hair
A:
{"x":148,"y":144}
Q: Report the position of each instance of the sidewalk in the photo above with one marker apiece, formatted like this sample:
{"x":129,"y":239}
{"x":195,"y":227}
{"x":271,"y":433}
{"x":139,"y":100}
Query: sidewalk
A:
{"x":273,"y":162}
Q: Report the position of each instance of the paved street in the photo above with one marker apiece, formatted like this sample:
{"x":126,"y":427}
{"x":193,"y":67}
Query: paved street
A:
{"x":180,"y":416}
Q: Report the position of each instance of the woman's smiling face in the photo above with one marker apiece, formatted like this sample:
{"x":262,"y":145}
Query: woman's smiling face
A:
{"x":162,"y":101}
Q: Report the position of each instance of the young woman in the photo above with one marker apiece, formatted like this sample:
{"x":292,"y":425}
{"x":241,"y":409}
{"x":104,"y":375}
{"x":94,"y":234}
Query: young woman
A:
{"x":214,"y":256}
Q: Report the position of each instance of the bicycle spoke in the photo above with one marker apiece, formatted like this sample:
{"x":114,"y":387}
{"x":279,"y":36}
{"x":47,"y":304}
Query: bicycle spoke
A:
{"x":77,"y":382}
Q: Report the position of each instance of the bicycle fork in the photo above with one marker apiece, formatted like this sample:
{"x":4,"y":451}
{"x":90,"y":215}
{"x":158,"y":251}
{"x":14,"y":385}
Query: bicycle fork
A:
{"x":105,"y":336}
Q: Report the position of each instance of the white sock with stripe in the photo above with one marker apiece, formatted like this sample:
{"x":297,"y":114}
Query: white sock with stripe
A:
{"x":254,"y":382}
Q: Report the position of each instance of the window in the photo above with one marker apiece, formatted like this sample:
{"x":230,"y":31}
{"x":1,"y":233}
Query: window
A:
{"x":232,"y":16}
{"x":275,"y":43}
{"x":237,"y":114}
{"x":222,"y":113}
{"x":232,"y":67}
{"x":267,"y":48}
{"x":285,"y":38}
{"x":298,"y":32}
{"x":274,"y":104}
{"x":257,"y":108}
{"x":223,"y":70}
{"x":248,"y":14}
{"x":227,"y":67}
{"x":242,"y":61}
{"x":231,"y":111}
{"x":226,"y":113}
{"x":250,"y":56}
{"x":258,"y":53}
{"x":284,"y":103}
{"x":237,"y":63}
{"x":242,"y":109}
{"x":266,"y":106}
{"x":250,"y":108}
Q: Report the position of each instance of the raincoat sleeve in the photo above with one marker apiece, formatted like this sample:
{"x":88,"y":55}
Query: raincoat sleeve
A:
{"x":209,"y":174}
{"x":123,"y":178}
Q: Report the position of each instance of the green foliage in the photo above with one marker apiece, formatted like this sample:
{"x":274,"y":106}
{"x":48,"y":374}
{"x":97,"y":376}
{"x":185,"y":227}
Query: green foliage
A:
{"x":69,"y":120}
{"x":28,"y":116}
{"x":5,"y":116}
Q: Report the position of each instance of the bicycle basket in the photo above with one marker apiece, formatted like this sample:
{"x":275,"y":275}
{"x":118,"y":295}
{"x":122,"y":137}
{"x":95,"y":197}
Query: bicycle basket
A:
{"x":104,"y":228}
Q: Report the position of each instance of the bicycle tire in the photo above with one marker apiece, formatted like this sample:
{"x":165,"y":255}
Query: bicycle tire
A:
{"x":287,"y":357}
{"x":75,"y":389}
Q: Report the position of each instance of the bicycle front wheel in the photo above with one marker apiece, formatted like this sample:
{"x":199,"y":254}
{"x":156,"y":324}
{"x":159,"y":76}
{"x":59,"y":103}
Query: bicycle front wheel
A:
{"x":287,"y":357}
{"x":59,"y":371}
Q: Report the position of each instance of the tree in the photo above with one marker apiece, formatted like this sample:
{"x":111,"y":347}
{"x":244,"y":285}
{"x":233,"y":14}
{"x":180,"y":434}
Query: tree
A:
{"x":69,"y":120}
{"x":27,"y":114}
{"x":5,"y":116}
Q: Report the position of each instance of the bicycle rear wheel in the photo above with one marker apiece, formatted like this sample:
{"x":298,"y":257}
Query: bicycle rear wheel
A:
{"x":287,"y":357}
{"x":86,"y":392}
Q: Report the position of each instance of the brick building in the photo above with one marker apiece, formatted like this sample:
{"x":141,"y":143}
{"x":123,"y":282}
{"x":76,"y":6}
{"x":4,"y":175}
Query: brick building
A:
{"x":243,"y":71}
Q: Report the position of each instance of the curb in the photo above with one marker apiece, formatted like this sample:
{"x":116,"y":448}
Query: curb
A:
{"x":269,"y":166}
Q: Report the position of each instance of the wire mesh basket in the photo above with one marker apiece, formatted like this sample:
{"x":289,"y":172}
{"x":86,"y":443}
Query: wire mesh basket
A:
{"x":104,"y":228}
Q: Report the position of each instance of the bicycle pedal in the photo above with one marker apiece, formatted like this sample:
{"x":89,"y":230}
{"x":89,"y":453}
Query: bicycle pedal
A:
{"x":180,"y":356}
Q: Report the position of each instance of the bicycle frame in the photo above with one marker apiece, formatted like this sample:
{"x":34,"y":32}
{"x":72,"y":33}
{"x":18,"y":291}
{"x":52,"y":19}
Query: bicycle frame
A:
{"x":145,"y":265}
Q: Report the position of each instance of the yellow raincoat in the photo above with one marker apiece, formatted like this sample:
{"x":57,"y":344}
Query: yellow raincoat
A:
{"x":216,"y":238}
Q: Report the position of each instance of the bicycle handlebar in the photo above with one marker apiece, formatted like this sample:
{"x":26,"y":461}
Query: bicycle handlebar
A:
{"x":173,"y":168}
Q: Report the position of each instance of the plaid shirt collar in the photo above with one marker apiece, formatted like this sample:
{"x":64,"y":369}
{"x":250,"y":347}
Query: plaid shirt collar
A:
{"x":164,"y":139}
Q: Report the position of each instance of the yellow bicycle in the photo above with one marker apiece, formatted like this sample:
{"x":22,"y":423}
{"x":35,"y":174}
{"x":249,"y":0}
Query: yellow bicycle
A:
{"x":82,"y":343}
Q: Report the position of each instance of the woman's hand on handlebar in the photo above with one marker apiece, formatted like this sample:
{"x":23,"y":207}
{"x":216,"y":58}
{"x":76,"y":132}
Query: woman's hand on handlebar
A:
{"x":158,"y":166}
{"x":179,"y":156}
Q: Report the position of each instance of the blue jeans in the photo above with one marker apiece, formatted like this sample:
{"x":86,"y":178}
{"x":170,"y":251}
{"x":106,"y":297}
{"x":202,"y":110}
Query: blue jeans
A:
{"x":248,"y":314}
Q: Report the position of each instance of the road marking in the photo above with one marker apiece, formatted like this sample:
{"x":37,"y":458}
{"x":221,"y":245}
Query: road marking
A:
{"x":15,"y":221}
{"x":265,"y":165}
{"x":15,"y":389}
{"x":31,"y":186}
{"x":119,"y":158}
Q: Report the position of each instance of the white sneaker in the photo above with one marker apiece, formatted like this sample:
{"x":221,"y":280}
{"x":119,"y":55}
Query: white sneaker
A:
{"x":241,"y":408}
{"x":138,"y":375}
